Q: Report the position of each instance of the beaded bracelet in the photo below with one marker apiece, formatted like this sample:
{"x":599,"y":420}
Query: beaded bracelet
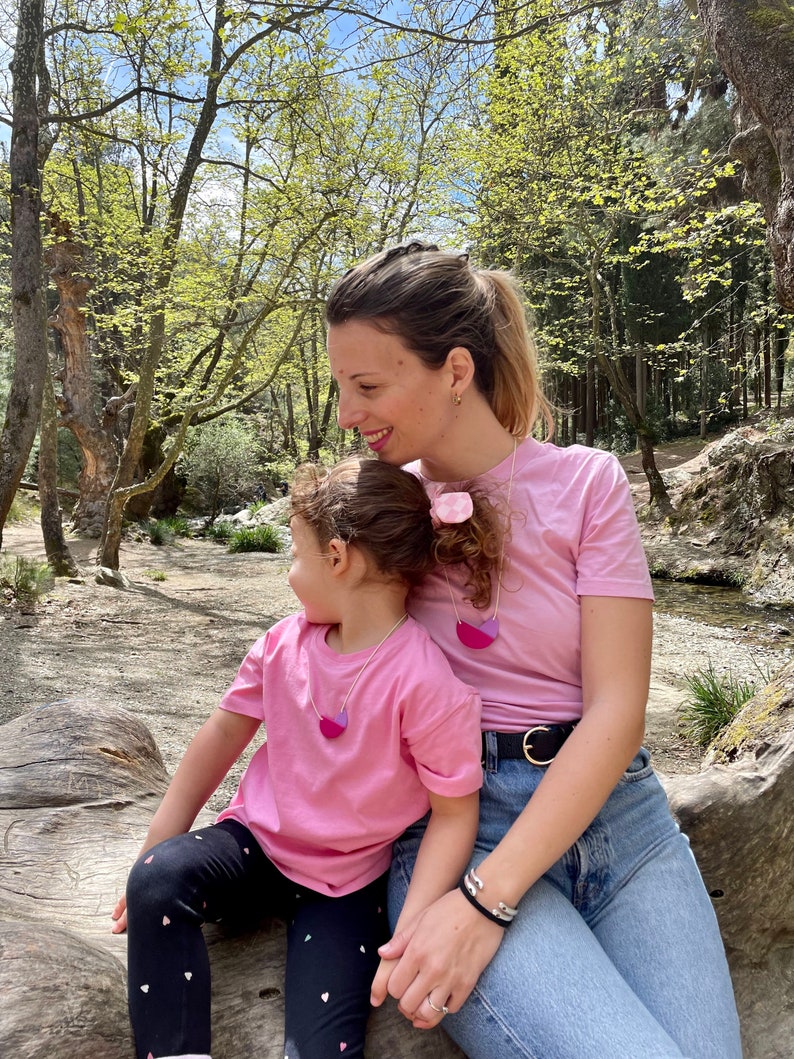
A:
{"x":503,"y":914}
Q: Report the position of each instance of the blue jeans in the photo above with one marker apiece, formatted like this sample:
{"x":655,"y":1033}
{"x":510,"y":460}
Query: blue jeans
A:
{"x":615,"y":952}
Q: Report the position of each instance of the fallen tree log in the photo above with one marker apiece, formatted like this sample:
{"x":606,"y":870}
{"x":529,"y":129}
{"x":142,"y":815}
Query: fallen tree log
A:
{"x":78,"y":786}
{"x":79,"y":783}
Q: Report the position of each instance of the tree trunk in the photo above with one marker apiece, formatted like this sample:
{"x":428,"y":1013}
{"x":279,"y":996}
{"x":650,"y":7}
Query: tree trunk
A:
{"x":659,"y":499}
{"x":78,"y":405}
{"x":122,"y":487}
{"x":754,"y":43}
{"x":58,"y":555}
{"x":27,"y":292}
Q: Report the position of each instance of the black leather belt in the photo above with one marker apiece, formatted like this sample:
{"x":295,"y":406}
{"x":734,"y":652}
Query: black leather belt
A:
{"x":539,"y":746}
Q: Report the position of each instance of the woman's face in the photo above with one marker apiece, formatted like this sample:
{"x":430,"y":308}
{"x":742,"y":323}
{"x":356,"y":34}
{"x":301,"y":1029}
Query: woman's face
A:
{"x":400,"y":407}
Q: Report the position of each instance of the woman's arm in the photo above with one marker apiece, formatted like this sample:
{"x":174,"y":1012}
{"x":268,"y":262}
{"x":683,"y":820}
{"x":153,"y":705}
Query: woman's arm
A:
{"x":443,"y":854}
{"x":451,"y":944}
{"x":211,"y":753}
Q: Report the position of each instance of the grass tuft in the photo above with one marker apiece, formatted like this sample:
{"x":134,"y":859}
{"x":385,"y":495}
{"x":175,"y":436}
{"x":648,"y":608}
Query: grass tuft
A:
{"x":256,"y":539}
{"x":24,"y":581}
{"x":714,"y":700}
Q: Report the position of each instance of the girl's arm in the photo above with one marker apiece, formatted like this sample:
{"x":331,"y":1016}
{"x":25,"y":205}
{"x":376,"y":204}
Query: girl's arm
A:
{"x":211,"y":753}
{"x":451,"y":944}
{"x":443,"y":854}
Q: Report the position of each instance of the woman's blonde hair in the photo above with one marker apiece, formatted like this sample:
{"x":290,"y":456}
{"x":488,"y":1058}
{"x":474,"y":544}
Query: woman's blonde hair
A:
{"x":433,"y":301}
{"x":385,"y":511}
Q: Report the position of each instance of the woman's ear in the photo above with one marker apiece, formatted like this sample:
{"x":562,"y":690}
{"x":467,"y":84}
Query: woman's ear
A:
{"x":460,"y":364}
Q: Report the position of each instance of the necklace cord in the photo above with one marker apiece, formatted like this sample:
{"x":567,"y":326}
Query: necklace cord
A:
{"x":378,"y":646}
{"x":502,"y":552}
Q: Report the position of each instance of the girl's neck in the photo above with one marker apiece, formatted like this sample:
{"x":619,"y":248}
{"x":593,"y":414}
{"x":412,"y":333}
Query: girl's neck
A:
{"x":367,"y":620}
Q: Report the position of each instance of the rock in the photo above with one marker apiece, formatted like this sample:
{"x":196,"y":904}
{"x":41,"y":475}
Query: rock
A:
{"x":78,"y":786}
{"x":737,"y":513}
{"x":737,"y":812}
{"x":114,"y":578}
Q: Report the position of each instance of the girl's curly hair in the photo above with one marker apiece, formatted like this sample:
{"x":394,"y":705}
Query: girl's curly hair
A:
{"x":385,"y":511}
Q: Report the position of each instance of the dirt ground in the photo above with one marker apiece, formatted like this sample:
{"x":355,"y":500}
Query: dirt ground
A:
{"x":165,"y":649}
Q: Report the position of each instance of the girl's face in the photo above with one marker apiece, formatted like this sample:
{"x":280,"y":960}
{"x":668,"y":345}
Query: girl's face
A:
{"x":310,"y":574}
{"x":400,"y":407}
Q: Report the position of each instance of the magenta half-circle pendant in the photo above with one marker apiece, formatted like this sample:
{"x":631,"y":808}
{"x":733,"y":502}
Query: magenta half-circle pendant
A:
{"x":478,"y":637}
{"x":332,"y":727}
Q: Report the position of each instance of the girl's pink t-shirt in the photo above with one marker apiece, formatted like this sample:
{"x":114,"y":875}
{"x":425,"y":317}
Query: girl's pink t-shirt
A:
{"x":573,"y":533}
{"x":326,"y":811}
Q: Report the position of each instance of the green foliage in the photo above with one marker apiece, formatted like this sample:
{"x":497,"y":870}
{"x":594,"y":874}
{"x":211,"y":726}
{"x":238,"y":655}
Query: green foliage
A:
{"x":178,"y":525}
{"x":24,"y":581}
{"x":221,"y":463}
{"x":219,"y":531}
{"x":714,"y":700}
{"x":158,"y":531}
{"x":156,"y":575}
{"x":25,"y":505}
{"x":256,"y":539}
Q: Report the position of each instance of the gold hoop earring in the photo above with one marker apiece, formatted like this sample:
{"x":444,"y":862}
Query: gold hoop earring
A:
{"x":456,"y":398}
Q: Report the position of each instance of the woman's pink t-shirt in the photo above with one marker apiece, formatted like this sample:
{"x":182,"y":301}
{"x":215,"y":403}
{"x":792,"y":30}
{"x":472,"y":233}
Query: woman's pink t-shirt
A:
{"x":326,"y":811}
{"x":573,"y":533}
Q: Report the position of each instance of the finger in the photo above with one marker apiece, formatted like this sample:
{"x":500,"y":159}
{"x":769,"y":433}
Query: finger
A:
{"x":379,"y":992}
{"x":394,"y":947}
{"x":119,"y":925}
{"x":428,"y":1014}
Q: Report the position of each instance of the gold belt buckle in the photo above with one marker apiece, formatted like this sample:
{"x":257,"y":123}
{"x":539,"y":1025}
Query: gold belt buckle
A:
{"x":526,"y":746}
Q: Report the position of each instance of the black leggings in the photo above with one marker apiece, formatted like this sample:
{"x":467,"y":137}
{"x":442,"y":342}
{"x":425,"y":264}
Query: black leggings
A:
{"x":221,"y":873}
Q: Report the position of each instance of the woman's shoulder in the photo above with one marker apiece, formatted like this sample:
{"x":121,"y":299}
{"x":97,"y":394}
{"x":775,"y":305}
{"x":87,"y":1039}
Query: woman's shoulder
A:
{"x":572,"y":465}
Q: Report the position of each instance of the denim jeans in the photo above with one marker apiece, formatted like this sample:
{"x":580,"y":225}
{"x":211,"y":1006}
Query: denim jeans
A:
{"x":615,"y":952}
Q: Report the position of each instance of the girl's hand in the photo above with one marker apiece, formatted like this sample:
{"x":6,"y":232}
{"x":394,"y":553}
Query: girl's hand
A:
{"x":442,"y":955}
{"x":119,"y":915}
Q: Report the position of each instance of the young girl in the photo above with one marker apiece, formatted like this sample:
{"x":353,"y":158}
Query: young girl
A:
{"x":366,"y":728}
{"x":582,"y":929}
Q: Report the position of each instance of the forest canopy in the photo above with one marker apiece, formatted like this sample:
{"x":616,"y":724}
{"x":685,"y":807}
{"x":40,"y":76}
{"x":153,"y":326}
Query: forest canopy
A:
{"x":207,"y":169}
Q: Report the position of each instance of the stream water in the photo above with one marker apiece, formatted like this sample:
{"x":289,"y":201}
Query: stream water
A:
{"x":723,"y":607}
{"x":697,"y":626}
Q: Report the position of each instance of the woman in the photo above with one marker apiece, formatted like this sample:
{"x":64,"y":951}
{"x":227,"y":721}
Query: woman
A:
{"x":583,"y":929}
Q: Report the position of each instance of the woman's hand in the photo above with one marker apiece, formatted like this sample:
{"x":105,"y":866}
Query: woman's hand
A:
{"x":441,"y":955}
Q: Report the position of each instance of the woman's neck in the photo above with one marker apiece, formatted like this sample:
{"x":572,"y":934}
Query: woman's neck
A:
{"x":477,"y":445}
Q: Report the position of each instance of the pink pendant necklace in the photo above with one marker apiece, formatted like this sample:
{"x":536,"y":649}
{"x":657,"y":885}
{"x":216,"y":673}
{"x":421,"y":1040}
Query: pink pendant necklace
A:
{"x":332,"y":727}
{"x":477,"y":637}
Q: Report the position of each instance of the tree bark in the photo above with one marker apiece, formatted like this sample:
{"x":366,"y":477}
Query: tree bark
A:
{"x":27,"y":292}
{"x":58,"y":555}
{"x":78,"y":403}
{"x":754,"y":43}
{"x":659,"y":498}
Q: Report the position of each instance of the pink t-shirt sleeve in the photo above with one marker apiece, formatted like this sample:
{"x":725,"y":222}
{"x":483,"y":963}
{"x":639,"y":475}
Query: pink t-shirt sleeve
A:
{"x":245,"y":694}
{"x":611,"y":560}
{"x":446,"y":748}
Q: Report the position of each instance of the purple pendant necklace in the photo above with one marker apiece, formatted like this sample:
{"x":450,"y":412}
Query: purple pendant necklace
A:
{"x":477,"y":637}
{"x":332,"y":727}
